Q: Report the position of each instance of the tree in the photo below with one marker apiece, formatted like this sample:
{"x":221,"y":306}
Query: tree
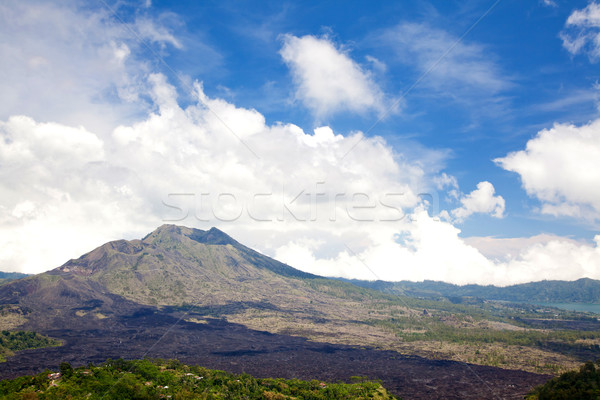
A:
{"x":65,"y":369}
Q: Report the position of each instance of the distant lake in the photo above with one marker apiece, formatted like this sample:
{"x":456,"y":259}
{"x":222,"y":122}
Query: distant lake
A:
{"x":581,"y":307}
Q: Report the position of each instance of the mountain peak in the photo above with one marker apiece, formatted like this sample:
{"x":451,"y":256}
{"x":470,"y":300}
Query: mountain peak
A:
{"x":213,"y":236}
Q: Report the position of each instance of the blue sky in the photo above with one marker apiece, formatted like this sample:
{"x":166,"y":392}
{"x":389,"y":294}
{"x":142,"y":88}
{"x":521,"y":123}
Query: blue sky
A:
{"x":150,"y":103}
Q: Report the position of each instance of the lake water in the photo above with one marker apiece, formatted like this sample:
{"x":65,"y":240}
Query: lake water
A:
{"x":582,"y":307}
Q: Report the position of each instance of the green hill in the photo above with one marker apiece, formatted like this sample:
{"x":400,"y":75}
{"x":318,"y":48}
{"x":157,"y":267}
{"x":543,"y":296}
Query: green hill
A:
{"x":145,"y":379}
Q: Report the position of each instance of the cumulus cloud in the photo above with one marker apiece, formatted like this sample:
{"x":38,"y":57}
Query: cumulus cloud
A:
{"x":559,"y":166}
{"x":327,"y":79}
{"x":481,"y":200}
{"x":55,"y":188}
{"x":582,"y":32}
{"x":556,"y":259}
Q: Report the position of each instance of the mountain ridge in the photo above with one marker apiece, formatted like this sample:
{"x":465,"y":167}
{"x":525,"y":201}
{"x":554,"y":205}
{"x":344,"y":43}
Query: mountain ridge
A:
{"x":583,"y":290}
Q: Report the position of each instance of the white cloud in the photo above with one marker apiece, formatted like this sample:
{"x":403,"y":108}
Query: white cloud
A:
{"x":58,"y":175}
{"x":582,"y":32}
{"x":327,"y":79}
{"x":146,"y":28}
{"x":560,"y":167}
{"x":557,"y":259}
{"x":84,"y":54}
{"x":444,"y":181}
{"x":576,"y":99}
{"x":378,"y":65}
{"x":55,"y":186}
{"x":451,"y":65}
{"x":480,"y":200}
{"x":432,"y":249}
{"x":549,"y":3}
{"x":505,"y":249}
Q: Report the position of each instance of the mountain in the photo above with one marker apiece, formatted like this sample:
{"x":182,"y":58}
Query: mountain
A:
{"x":9,"y":276}
{"x":176,"y":265}
{"x":12,"y":275}
{"x":185,"y":268}
{"x":583,"y":290}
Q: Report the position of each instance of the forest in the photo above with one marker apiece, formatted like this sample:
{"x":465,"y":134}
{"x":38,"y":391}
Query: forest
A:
{"x":157,"y":379}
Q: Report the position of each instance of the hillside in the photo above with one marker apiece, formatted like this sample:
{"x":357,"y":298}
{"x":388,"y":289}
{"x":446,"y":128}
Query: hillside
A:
{"x":580,"y":291}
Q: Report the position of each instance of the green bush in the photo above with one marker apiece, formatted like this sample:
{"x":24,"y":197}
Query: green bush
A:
{"x":582,"y":385}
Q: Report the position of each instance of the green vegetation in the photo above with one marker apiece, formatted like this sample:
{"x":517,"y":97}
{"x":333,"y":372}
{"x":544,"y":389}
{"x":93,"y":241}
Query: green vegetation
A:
{"x":157,"y":379}
{"x":581,"y":385}
{"x":22,"y":340}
